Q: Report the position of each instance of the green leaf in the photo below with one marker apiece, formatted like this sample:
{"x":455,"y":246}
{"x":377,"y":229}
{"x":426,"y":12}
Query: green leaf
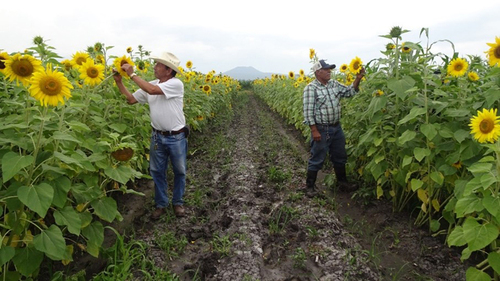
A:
{"x":474,"y":274}
{"x":406,"y":137}
{"x":119,"y":127}
{"x":414,"y":112}
{"x":400,"y":86}
{"x":479,"y":167}
{"x":65,"y":137}
{"x":468,"y":205}
{"x":406,"y":160}
{"x":437,"y":177}
{"x":62,"y":185}
{"x":68,"y":216}
{"x":461,"y":135}
{"x":477,"y":235}
{"x":12,"y":163}
{"x":105,"y":208}
{"x":67,"y":159}
{"x":420,"y":153}
{"x":494,"y":261}
{"x":95,"y":235}
{"x":492,"y":95}
{"x":376,"y":104}
{"x":492,"y":204}
{"x":416,"y":184}
{"x":78,"y":126}
{"x":51,"y":242}
{"x":27,"y":260}
{"x":429,"y":131}
{"x":488,"y":180}
{"x":121,"y":174}
{"x":472,"y":186}
{"x":6,"y":254}
{"x":452,"y":112}
{"x":38,"y":198}
{"x":456,"y":237}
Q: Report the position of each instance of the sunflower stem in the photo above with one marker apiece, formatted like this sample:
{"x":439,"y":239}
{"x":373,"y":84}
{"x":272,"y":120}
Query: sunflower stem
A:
{"x":37,"y":145}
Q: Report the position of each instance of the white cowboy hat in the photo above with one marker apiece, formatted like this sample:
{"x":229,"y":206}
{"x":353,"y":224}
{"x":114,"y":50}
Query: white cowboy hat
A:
{"x":169,"y":60}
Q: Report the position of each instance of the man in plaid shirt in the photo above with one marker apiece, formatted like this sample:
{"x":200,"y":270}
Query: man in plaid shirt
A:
{"x":322,"y":112}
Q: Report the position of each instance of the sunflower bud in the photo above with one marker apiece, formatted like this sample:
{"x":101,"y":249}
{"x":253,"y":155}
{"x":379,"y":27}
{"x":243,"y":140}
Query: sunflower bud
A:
{"x":98,"y":47}
{"x":38,"y":40}
{"x":396,"y":32}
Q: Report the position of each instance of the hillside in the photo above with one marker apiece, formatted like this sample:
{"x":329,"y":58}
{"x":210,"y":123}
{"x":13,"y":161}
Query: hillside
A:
{"x":246,"y":73}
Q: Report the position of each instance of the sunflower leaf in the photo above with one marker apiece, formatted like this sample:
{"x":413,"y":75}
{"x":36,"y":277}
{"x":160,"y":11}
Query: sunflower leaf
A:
{"x":12,"y":163}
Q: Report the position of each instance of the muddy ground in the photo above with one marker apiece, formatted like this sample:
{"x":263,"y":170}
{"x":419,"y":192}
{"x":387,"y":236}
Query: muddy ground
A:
{"x":248,"y":219}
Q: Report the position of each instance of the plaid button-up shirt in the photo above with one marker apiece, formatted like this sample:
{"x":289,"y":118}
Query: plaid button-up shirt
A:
{"x":322,"y":102}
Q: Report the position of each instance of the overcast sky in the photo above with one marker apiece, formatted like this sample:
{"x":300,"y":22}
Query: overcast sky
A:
{"x":271,"y":35}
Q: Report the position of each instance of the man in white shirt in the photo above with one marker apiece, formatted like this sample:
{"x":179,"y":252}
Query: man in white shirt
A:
{"x":168,"y":140}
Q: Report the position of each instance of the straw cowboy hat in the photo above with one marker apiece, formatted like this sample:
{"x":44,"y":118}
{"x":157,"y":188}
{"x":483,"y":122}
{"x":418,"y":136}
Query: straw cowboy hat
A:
{"x":169,"y":60}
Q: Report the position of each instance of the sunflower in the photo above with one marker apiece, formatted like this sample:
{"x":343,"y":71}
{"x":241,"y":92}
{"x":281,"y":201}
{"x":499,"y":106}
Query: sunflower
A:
{"x":485,"y":126}
{"x":473,"y":76}
{"x":121,"y":61}
{"x":291,"y":75}
{"x":378,"y":93}
{"x":390,"y":46}
{"x":50,"y":87}
{"x":355,"y":65}
{"x":21,"y":68}
{"x":67,"y":64}
{"x":189,"y":64}
{"x":100,"y":59}
{"x":457,"y":67}
{"x":91,"y":73}
{"x":405,"y":49}
{"x":457,"y":165}
{"x":98,"y":47}
{"x":312,"y":53}
{"x":79,"y":58}
{"x":207,"y":89}
{"x":493,"y":53}
{"x":129,"y":50}
{"x":3,"y":57}
{"x":344,"y":67}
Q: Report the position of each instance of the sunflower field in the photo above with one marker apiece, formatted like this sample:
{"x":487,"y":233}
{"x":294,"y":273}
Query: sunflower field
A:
{"x":69,"y":140}
{"x":422,"y":133}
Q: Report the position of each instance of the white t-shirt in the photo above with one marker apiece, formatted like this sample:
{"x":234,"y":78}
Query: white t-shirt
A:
{"x":165,"y":110}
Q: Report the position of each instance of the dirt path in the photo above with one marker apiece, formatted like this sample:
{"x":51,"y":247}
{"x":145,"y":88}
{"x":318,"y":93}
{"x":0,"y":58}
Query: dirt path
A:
{"x":248,"y":219}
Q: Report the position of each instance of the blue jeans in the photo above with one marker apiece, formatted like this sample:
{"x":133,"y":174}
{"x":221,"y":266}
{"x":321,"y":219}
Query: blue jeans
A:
{"x":332,"y":143}
{"x":164,"y":148}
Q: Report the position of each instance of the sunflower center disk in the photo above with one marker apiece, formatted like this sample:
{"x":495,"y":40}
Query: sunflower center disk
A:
{"x":497,"y":52}
{"x":51,"y":87}
{"x":92,"y":72}
{"x":486,"y":126}
{"x":22,"y":68}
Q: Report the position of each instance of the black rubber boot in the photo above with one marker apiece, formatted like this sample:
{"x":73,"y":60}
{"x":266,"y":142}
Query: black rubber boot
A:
{"x":342,"y":182}
{"x":311,"y":183}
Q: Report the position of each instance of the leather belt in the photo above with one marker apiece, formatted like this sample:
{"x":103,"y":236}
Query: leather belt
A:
{"x":169,"y":133}
{"x":329,"y":125}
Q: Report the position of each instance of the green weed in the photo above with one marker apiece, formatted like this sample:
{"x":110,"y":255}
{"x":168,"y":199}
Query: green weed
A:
{"x":172,"y":245}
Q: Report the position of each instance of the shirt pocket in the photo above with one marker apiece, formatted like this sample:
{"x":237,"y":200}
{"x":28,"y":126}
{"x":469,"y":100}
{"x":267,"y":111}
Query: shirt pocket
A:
{"x":320,"y":101}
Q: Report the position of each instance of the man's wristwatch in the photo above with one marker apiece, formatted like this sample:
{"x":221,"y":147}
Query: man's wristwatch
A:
{"x":132,"y":75}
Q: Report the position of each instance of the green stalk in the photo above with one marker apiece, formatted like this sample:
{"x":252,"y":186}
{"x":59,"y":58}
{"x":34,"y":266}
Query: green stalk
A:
{"x":37,"y":146}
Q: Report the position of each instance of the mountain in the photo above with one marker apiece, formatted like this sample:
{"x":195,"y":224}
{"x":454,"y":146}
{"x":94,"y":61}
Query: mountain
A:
{"x":246,"y":73}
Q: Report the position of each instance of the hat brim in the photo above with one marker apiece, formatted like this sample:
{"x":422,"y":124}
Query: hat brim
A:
{"x":167,"y":63}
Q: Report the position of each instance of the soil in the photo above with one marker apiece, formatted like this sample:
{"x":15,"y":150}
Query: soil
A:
{"x":248,"y":217}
